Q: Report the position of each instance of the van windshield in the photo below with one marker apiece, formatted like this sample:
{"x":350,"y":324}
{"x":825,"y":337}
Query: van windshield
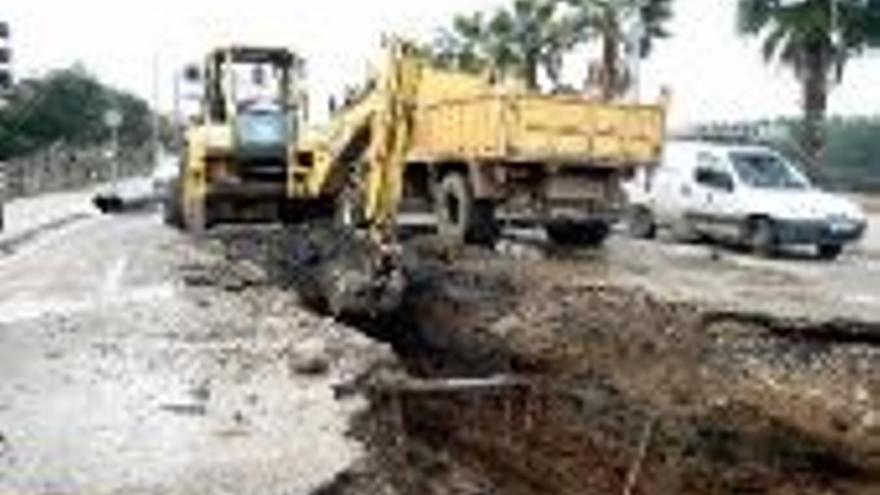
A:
{"x":766,"y":171}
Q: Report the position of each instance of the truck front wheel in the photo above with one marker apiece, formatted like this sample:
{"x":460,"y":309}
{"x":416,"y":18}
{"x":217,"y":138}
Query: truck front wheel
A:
{"x":461,"y":217}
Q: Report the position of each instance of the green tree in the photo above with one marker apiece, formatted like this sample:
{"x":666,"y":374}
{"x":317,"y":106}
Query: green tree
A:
{"x":520,"y":40}
{"x":608,"y":20}
{"x":67,"y":106}
{"x":815,"y":38}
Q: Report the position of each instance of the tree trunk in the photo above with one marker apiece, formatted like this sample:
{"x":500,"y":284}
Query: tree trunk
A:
{"x":815,"y":105}
{"x":531,"y":70}
{"x":610,"y":77}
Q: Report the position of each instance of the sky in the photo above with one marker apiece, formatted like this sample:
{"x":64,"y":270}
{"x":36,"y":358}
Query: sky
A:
{"x":712,"y":72}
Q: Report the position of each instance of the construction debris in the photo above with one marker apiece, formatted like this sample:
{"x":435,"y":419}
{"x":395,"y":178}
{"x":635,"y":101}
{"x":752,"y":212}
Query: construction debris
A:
{"x":548,"y":377}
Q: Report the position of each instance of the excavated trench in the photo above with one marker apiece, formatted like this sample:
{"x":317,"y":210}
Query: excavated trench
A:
{"x":546,"y":377}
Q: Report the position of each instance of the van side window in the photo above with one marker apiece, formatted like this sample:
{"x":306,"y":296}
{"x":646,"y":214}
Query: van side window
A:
{"x":710,"y":173}
{"x":708,"y":160}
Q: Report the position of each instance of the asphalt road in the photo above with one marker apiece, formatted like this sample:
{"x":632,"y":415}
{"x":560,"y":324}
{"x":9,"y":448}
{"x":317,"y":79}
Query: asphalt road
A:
{"x":131,"y":363}
{"x":118,"y":376}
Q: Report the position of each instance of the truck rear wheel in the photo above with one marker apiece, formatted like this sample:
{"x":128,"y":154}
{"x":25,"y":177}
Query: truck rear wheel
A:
{"x":461,"y":217}
{"x":575,"y":233}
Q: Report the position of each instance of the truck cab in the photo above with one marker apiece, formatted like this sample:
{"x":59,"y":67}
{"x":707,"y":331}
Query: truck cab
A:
{"x":742,"y":193}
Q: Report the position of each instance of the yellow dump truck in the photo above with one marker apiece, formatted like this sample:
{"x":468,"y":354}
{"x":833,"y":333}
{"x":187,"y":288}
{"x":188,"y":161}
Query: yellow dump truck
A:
{"x":481,"y":154}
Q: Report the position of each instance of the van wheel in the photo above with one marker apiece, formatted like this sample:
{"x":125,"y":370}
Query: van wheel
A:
{"x":829,"y":252}
{"x":460,"y":217}
{"x":762,"y":237}
{"x":640,"y":223}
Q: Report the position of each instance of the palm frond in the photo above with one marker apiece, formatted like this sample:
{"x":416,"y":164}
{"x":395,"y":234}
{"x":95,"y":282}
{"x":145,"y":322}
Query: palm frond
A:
{"x":754,"y":15}
{"x":775,"y":39}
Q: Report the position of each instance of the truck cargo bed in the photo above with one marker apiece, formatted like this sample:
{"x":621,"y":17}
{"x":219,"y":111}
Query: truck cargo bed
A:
{"x":560,"y":129}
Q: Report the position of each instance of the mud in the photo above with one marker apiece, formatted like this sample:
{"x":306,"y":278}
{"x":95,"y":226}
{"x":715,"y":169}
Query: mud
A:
{"x":535,"y":376}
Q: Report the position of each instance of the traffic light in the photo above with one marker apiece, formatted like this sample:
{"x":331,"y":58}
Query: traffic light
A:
{"x":5,"y":59}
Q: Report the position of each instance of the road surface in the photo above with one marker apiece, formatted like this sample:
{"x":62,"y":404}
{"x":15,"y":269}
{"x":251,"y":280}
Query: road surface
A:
{"x":137,"y":360}
{"x":126,"y":370}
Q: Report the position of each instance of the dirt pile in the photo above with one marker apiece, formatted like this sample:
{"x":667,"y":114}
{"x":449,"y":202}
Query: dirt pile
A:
{"x":335,"y":270}
{"x":624,"y":391}
{"x":546,"y":376}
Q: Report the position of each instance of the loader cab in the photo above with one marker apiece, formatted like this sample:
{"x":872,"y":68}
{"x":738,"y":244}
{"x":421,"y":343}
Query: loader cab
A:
{"x":236,"y":162}
{"x":254,"y":90}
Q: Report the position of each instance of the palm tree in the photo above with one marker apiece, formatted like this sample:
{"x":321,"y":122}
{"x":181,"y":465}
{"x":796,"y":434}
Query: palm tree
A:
{"x":608,"y":18}
{"x":815,"y":38}
{"x":520,"y":40}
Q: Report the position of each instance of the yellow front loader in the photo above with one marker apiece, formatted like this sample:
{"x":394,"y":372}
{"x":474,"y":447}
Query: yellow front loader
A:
{"x":236,"y":158}
{"x":248,"y":159}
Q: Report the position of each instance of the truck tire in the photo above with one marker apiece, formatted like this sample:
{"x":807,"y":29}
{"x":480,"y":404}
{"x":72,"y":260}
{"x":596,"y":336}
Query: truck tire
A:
{"x":172,"y":209}
{"x":462,"y":218}
{"x":573,"y":233}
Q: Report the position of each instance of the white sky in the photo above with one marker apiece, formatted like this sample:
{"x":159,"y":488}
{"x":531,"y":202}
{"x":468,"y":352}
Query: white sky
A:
{"x":712,"y":72}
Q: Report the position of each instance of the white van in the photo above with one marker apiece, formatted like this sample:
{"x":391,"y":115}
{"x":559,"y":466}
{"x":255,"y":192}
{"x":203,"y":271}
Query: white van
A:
{"x":746,"y":194}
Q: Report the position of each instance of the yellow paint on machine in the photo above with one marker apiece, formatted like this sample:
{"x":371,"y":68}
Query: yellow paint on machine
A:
{"x":463,"y":117}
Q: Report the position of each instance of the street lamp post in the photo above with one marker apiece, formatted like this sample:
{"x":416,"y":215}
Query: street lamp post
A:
{"x":113,"y":120}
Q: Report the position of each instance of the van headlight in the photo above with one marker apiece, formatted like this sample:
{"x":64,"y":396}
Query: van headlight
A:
{"x":844,"y":223}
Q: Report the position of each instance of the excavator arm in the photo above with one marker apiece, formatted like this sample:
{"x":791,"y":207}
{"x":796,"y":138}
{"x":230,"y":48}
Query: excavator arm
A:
{"x":391,"y":128}
{"x":362,"y":156}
